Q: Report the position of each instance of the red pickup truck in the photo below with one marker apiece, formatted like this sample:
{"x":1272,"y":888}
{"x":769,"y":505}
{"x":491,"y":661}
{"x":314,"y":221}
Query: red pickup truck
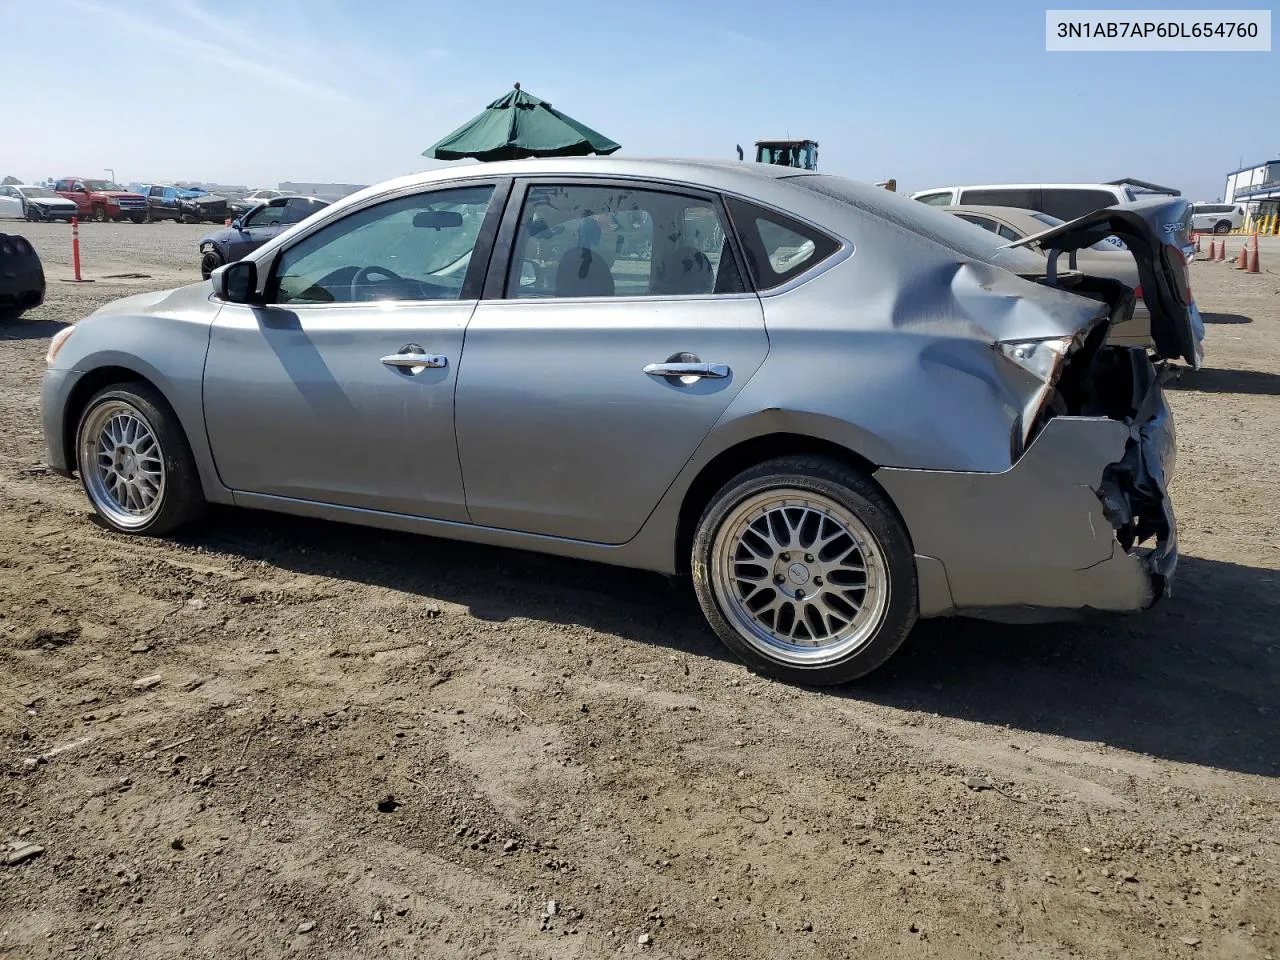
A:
{"x":102,"y":200}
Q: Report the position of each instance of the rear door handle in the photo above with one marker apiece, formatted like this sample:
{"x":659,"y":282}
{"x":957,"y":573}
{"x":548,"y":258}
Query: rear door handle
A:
{"x":711,"y":371}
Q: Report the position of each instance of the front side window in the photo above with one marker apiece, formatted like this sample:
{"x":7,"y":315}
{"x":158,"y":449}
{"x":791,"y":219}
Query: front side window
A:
{"x":776,"y":247}
{"x":413,"y":248}
{"x":597,"y":241}
{"x":942,"y":199}
{"x":268,"y":216}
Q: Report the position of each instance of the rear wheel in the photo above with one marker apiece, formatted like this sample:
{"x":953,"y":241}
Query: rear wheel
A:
{"x":210,"y":262}
{"x":1222,"y":226}
{"x":803,"y":569}
{"x":135,"y":462}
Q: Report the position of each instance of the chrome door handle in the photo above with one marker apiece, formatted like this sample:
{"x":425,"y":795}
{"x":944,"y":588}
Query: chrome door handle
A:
{"x":415,"y":360}
{"x":711,"y":371}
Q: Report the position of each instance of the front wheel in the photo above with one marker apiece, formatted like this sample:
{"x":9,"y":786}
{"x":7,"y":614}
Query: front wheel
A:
{"x":210,"y":262}
{"x":804,"y":570}
{"x":1222,"y":226}
{"x":99,"y":214}
{"x":135,"y":462}
{"x":33,"y":213}
{"x":139,"y":218}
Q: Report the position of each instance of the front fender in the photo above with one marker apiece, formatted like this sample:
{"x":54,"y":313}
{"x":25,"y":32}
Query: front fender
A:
{"x":167,"y":349}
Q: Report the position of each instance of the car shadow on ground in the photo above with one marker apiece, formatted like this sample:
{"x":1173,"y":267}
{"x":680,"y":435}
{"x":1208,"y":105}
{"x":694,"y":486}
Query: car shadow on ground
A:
{"x":1209,"y":380}
{"x":1225,"y":318}
{"x":1193,"y":680}
{"x":30,"y":329}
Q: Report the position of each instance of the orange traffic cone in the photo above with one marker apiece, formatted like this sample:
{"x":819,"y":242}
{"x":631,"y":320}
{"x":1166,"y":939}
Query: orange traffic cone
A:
{"x":1253,"y":255}
{"x":1197,"y":236}
{"x":1242,"y":261}
{"x":1219,"y":250}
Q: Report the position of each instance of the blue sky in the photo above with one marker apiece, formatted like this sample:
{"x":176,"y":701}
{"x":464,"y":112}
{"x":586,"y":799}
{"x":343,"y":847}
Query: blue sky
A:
{"x":934,"y":92}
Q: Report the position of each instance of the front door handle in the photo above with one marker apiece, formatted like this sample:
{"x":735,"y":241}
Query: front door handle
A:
{"x":413,"y":357}
{"x":697,"y":371}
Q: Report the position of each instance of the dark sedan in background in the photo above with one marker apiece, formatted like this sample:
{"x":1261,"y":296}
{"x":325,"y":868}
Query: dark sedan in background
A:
{"x":254,"y":229}
{"x":21,"y":277}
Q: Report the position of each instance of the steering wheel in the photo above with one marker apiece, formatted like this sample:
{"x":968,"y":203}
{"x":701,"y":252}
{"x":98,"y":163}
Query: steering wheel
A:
{"x":364,"y":273}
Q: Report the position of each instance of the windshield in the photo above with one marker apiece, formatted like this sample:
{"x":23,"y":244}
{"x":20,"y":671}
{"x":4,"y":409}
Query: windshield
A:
{"x":37,"y":193}
{"x":104,"y":186}
{"x":924,"y":220}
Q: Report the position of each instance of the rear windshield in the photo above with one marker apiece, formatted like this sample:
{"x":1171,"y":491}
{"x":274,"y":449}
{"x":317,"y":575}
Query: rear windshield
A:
{"x":924,"y":220}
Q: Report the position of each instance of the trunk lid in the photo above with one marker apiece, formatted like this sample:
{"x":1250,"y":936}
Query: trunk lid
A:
{"x":1157,"y":232}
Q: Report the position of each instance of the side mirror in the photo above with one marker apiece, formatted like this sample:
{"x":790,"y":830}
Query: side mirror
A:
{"x":236,"y":282}
{"x":236,"y":224}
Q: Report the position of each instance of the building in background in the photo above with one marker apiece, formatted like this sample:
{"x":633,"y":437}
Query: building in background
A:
{"x":1256,"y":187}
{"x":325,"y":191}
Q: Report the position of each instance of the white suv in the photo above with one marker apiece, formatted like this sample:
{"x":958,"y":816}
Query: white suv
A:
{"x":1218,"y":217}
{"x":1066,"y":201}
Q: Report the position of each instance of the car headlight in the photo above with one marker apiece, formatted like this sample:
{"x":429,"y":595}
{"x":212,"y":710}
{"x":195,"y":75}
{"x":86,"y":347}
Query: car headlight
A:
{"x":55,"y":345}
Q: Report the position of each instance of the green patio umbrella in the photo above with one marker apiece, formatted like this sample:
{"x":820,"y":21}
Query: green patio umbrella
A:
{"x":520,"y":125}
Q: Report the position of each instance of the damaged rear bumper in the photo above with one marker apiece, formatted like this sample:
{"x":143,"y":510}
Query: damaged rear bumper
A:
{"x":1081,"y":522}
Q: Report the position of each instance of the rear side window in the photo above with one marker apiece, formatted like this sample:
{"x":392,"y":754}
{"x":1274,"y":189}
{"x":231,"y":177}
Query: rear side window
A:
{"x":1069,"y":204}
{"x":1025,"y":197}
{"x":777,"y":248}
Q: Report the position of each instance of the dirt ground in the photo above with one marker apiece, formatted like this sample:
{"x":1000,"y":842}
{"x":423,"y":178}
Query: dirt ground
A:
{"x":364,"y":744}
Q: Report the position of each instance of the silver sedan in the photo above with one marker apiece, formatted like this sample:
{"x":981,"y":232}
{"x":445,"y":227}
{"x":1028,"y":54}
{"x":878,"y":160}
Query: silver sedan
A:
{"x":836,"y":409}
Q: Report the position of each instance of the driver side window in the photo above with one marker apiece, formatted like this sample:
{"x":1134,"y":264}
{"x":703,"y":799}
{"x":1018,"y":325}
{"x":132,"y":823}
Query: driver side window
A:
{"x":268,"y":216}
{"x":412,"y":248}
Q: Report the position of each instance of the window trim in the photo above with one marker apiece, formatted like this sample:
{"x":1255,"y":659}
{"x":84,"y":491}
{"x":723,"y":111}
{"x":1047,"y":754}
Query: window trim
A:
{"x":477,"y":268}
{"x":503,"y":258}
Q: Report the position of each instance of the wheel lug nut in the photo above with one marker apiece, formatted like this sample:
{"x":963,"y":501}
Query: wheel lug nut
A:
{"x":799,"y":594}
{"x":808,"y":558}
{"x":817,"y":581}
{"x":785,"y":557}
{"x":779,"y":578}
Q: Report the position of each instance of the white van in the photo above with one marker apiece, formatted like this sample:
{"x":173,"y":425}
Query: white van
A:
{"x":1066,"y":201}
{"x":1216,"y":217}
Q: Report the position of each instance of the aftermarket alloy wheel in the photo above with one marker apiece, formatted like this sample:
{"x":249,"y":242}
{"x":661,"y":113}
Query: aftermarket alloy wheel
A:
{"x":135,"y":462}
{"x":805,"y":572}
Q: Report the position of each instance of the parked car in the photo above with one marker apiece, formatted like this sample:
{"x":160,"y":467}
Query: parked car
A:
{"x":255,"y":228}
{"x":1218,"y":217}
{"x":242,"y":205}
{"x":1109,"y":257}
{"x":102,"y":200}
{"x":21,"y":277}
{"x":1063,"y":200}
{"x":24,"y":201}
{"x":168,"y":202}
{"x":856,"y":412}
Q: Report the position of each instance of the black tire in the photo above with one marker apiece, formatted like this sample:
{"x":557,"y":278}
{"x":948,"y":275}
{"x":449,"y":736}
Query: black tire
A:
{"x":1222,"y":226}
{"x":181,"y":500}
{"x":210,"y":262}
{"x":139,"y":218}
{"x":33,"y":213}
{"x":99,"y":213}
{"x":857,"y":495}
